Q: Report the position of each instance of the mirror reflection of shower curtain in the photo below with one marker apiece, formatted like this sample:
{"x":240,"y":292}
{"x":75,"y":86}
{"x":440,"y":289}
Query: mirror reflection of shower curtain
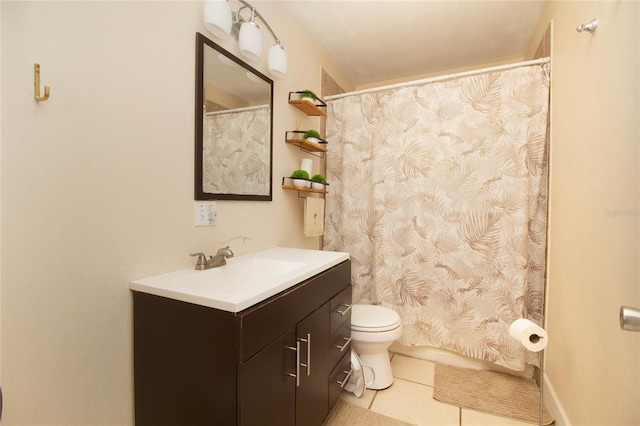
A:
{"x":439,"y":192}
{"x":236,"y":152}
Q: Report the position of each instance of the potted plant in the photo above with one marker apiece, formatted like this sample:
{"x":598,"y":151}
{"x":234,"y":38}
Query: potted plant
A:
{"x":312,"y":136}
{"x":308,"y":95}
{"x":318,"y":181}
{"x":300,"y":178}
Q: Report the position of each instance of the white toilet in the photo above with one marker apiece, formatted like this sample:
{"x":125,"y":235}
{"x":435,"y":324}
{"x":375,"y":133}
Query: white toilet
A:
{"x":373,"y":329}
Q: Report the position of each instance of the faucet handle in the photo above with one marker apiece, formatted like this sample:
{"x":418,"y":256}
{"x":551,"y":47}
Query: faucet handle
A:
{"x":202,"y":260}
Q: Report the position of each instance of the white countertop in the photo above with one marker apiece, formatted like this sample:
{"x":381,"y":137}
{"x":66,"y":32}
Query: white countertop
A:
{"x":244,"y":281}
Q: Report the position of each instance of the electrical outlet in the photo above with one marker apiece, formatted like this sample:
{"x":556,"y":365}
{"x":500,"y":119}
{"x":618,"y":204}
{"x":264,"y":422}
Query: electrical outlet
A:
{"x":212,"y":215}
{"x":205,"y":213}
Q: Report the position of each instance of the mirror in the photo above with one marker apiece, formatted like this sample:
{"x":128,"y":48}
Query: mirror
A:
{"x":233,"y":149}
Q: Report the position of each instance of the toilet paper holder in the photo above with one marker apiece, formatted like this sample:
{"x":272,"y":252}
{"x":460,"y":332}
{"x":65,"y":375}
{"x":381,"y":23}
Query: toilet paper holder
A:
{"x":629,"y":318}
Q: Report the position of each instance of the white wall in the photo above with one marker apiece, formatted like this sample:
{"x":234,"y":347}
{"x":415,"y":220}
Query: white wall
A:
{"x":97,"y":190}
{"x":594,"y":253}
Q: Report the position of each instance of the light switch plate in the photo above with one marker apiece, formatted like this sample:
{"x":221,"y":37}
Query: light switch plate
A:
{"x":205,"y":213}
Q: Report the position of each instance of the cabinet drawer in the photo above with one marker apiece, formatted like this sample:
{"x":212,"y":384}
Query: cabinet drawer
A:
{"x":338,"y":378}
{"x":340,"y":309}
{"x":264,"y":322}
{"x":340,"y":342}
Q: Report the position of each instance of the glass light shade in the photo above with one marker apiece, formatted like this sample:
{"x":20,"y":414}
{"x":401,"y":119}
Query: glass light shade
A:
{"x":217,"y":18}
{"x":250,"y":41}
{"x":277,"y":60}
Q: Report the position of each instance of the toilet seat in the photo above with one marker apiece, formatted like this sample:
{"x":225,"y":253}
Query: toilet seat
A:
{"x":374,"y":318}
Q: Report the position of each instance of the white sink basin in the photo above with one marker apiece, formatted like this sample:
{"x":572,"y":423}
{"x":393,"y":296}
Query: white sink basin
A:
{"x":241,"y":275}
{"x":244,"y":280}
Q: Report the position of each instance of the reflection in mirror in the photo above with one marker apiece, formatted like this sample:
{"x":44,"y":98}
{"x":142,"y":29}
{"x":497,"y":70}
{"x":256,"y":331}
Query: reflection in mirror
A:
{"x":234,"y":119}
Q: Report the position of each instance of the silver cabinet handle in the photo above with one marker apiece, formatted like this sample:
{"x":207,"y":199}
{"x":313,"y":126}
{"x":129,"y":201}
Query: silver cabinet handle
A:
{"x":345,"y":345}
{"x":344,"y":311}
{"x":629,"y":318}
{"x":297,"y":363}
{"x":346,"y":379}
{"x":297,"y":373}
{"x":308,"y":354}
{"x":308,"y":342}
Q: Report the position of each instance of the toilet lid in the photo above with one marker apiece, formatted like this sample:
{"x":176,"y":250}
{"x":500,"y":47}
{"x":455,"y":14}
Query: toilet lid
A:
{"x":373,"y":318}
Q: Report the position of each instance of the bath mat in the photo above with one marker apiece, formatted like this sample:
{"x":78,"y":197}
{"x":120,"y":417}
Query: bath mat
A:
{"x":345,"y":414}
{"x":494,"y":393}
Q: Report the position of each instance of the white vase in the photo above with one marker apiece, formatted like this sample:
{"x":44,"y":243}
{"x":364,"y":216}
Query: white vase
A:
{"x":306,"y":164}
{"x":300,"y":183}
{"x":317,"y":185}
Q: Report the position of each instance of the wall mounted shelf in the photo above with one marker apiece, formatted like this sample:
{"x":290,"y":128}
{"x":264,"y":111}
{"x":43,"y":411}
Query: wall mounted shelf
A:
{"x":287,"y":183}
{"x":293,"y":137}
{"x":307,"y":107}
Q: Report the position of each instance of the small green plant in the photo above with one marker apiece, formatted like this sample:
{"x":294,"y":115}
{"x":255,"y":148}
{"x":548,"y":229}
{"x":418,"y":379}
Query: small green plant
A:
{"x":319,"y":178}
{"x":308,"y":94}
{"x":300,"y":174}
{"x":311,"y":134}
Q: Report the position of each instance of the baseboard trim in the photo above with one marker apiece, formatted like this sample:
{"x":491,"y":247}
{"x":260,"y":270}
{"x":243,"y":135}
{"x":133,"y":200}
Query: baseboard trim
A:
{"x":553,"y":404}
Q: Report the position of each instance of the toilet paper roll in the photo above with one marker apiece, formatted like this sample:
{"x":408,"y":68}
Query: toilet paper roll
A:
{"x":532,"y":336}
{"x":306,"y":164}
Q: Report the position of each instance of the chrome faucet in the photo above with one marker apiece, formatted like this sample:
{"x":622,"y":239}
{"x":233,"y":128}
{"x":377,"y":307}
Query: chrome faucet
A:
{"x":214,"y":261}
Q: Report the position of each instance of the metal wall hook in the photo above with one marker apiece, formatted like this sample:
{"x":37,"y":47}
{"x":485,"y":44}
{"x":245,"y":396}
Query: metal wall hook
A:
{"x":590,"y":26}
{"x":36,"y":84}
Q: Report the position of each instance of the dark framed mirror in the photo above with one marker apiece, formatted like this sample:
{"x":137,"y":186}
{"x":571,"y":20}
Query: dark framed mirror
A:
{"x":233,"y":127}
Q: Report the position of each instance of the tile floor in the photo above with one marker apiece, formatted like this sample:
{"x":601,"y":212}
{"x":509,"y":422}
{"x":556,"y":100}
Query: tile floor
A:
{"x":410,"y":399}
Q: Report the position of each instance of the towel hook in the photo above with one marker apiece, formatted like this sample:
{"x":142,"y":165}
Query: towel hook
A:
{"x":590,"y":26}
{"x":36,"y":84}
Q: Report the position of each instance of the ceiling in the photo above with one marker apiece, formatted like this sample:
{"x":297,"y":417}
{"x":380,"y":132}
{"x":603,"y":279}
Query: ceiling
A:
{"x":380,"y":40}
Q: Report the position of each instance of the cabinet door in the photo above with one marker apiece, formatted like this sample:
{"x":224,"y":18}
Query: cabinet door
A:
{"x":184,"y":363}
{"x":312,"y":396}
{"x":267,"y":385}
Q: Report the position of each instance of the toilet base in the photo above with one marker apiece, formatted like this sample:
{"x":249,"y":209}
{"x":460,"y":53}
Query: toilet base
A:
{"x":381,"y":366}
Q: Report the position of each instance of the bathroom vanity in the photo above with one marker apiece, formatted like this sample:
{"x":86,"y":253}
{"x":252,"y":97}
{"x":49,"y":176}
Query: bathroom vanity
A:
{"x":281,"y":360}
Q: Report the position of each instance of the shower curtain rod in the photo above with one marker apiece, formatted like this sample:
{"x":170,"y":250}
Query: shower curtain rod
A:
{"x":228,"y":111}
{"x":441,"y":78}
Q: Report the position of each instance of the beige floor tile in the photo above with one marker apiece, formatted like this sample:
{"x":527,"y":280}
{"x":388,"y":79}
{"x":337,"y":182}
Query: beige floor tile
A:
{"x":413,"y":369}
{"x":364,"y":401}
{"x":414,"y":403}
{"x":477,"y":418}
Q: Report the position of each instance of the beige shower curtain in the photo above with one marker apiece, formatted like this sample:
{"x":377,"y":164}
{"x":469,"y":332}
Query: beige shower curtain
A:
{"x":438,"y":191}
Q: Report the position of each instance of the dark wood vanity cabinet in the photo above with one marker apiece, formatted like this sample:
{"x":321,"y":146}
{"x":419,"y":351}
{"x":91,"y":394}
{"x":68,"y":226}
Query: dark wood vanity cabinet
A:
{"x":276,"y":363}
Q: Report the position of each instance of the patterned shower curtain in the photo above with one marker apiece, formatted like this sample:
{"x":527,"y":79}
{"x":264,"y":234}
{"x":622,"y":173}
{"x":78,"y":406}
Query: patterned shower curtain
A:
{"x":439,"y":192}
{"x":236,"y":152}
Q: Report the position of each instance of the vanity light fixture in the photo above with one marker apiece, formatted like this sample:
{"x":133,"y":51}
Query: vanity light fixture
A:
{"x":221,"y":21}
